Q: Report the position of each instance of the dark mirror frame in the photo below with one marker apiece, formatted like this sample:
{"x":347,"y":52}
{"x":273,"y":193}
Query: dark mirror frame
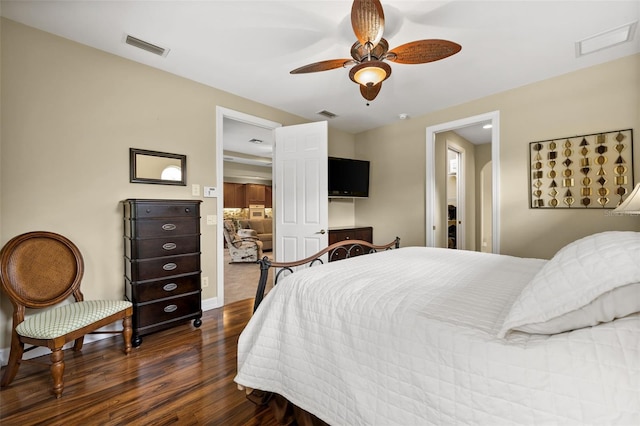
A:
{"x":134,"y":178}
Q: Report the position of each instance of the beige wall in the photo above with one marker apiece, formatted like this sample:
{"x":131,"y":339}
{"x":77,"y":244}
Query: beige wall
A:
{"x":342,"y":211}
{"x":596,"y":99}
{"x":70,"y":115}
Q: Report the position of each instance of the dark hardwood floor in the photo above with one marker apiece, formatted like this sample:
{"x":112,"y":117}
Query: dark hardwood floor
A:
{"x":181,"y":376}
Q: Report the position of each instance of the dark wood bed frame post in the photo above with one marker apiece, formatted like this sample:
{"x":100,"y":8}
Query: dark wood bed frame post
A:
{"x":265,"y":264}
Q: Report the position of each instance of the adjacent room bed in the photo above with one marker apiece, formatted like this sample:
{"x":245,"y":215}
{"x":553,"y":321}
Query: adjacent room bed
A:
{"x":418,"y":336}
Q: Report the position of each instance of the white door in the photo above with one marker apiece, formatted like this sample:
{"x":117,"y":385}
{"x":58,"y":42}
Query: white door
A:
{"x":301,"y":194}
{"x":455,"y":193}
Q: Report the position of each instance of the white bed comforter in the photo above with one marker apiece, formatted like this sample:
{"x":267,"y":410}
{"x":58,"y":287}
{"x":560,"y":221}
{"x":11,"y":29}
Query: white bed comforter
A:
{"x":408,"y":337}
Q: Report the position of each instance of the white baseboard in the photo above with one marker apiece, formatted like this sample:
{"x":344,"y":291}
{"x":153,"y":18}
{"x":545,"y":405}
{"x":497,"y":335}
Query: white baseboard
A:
{"x":207,"y":305}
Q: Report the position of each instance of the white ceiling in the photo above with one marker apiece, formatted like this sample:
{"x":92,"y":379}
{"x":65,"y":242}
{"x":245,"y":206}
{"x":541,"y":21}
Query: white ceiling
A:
{"x":249,"y":47}
{"x":241,"y":146}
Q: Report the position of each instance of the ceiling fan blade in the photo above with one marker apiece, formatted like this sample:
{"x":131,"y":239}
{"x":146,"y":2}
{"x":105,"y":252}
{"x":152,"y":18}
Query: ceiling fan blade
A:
{"x":423,"y":51}
{"x":322,"y":66}
{"x":367,"y":20}
{"x":370,"y":92}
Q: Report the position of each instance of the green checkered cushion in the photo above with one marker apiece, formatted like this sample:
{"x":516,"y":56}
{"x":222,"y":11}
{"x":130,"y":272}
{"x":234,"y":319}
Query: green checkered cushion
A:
{"x":67,"y":318}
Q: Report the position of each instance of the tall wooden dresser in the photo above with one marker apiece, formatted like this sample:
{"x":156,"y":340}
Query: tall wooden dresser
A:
{"x":162,"y":263}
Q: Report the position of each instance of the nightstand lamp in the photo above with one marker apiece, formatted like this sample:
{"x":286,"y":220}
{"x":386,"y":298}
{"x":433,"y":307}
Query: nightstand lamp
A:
{"x":631,"y":205}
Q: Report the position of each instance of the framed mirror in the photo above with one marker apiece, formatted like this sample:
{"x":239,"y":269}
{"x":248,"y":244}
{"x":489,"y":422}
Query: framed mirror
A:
{"x":157,"y":167}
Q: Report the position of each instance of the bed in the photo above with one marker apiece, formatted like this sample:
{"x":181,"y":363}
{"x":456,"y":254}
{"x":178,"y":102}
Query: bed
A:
{"x":417,"y":336}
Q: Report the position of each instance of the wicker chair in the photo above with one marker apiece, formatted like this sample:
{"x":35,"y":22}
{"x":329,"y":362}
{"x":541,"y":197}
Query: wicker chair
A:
{"x":42,"y":269}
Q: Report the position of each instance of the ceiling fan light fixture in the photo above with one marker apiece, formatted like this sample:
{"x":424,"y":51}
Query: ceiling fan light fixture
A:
{"x":371,"y":49}
{"x":370,"y":73}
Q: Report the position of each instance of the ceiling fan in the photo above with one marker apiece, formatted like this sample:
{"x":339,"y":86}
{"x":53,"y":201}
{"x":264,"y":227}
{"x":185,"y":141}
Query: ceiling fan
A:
{"x":371,"y":50}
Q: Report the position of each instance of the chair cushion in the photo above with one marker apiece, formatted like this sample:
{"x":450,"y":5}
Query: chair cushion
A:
{"x":67,"y":318}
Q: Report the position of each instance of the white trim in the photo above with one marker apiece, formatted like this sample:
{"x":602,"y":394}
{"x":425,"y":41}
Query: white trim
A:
{"x":461,"y":176}
{"x":221,"y":114}
{"x":209,"y":304}
{"x":431,"y":131}
{"x":430,"y":188}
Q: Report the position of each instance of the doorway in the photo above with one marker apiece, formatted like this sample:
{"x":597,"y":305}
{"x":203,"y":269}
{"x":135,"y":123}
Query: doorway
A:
{"x":455,"y":190}
{"x":436,"y":213}
{"x":249,"y":125}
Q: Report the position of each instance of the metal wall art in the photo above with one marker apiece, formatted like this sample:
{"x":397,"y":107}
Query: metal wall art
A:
{"x":587,"y":171}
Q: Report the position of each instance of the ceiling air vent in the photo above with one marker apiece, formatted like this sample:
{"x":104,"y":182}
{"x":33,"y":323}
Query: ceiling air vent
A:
{"x":606,"y":39}
{"x":327,"y":114}
{"x":141,"y":44}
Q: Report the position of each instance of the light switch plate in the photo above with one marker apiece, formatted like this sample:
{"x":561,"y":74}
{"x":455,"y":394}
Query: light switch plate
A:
{"x":195,"y":189}
{"x":211,"y":219}
{"x":210,"y":192}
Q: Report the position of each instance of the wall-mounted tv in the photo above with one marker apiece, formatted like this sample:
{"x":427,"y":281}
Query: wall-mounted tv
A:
{"x":348,"y":178}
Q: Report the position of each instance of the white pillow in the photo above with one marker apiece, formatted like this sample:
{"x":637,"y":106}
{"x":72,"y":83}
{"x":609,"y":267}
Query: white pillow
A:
{"x":580,"y":286}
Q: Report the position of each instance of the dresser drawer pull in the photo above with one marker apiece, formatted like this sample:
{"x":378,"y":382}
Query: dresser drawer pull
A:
{"x":170,"y":287}
{"x":170,"y":308}
{"x":169,"y":266}
{"x":187,"y":210}
{"x":169,"y":246}
{"x":169,"y":227}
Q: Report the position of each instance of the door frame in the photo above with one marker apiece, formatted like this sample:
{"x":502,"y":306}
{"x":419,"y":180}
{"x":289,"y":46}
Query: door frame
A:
{"x":221,"y":114}
{"x":460,"y":194}
{"x":494,"y":118}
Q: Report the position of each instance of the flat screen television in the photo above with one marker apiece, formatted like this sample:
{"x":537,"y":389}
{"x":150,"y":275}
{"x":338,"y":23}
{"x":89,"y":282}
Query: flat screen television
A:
{"x":348,"y":178}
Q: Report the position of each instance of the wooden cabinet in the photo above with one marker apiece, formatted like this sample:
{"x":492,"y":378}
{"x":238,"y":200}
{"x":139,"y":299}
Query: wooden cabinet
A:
{"x":240,"y":195}
{"x":268,"y":195}
{"x":162,"y":263}
{"x":364,"y":233}
{"x":255,"y":194}
{"x":234,"y":195}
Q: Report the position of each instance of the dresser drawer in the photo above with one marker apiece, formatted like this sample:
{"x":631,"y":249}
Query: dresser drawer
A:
{"x":135,"y":248}
{"x":143,"y":209}
{"x":160,"y":289}
{"x":166,"y":227}
{"x":160,"y":267}
{"x":160,"y":311}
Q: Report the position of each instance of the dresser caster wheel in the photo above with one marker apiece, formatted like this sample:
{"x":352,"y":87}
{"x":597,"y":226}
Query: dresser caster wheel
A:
{"x":136,"y":341}
{"x":197,"y":322}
